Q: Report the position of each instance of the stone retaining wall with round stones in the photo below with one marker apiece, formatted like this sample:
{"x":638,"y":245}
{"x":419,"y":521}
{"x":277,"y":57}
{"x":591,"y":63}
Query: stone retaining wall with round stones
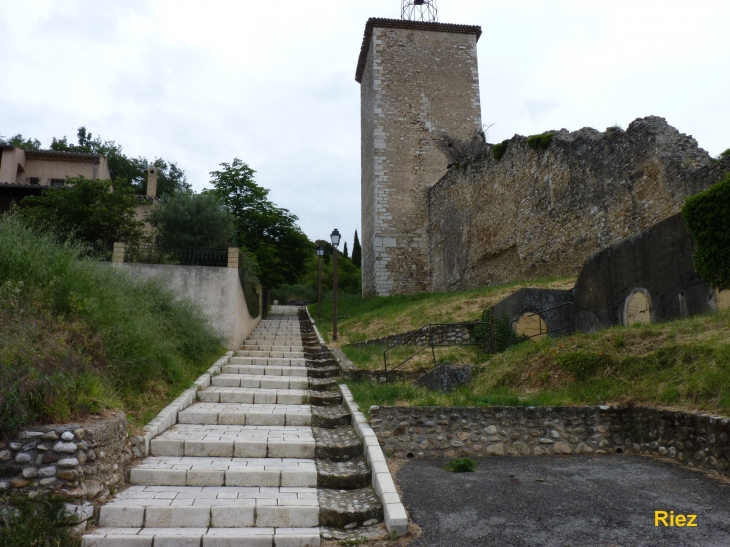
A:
{"x":697,"y":440}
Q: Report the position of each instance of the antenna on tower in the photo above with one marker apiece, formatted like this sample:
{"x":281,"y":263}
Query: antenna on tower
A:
{"x":419,"y":10}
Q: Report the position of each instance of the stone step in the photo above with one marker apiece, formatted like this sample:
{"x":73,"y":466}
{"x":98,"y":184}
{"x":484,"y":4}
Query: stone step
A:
{"x":325,"y":398}
{"x":245,"y":414}
{"x":338,"y":508}
{"x":269,"y":361}
{"x":205,"y":537}
{"x":266,"y":381}
{"x":324,"y":372}
{"x":330,"y":416}
{"x":276,"y":341}
{"x":269,"y":347}
{"x":346,"y":475}
{"x":270,"y":354}
{"x":228,"y":441}
{"x":197,"y":471}
{"x":340,"y":444}
{"x":211,"y":506}
{"x":268,"y":369}
{"x":253,"y":395}
{"x":321,"y":384}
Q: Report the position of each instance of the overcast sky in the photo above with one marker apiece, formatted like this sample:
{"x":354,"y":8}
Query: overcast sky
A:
{"x":272,"y":82}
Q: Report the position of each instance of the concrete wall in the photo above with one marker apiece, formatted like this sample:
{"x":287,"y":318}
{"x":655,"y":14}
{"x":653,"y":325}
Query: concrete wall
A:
{"x":217,"y":291}
{"x":542,"y":213}
{"x":417,"y":81}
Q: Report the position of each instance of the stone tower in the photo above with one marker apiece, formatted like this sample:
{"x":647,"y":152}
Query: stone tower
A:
{"x":418,"y":80}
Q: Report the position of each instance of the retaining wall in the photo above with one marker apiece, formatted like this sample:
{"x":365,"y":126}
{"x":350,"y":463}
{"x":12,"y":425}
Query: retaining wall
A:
{"x":697,"y":440}
{"x":217,"y":291}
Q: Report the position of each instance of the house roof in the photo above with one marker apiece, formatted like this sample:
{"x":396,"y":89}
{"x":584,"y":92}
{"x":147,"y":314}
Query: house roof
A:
{"x":56,"y":155}
{"x":403,"y":24}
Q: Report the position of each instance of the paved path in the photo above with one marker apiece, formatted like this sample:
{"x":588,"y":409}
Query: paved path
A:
{"x":238,"y":468}
{"x":606,"y":501}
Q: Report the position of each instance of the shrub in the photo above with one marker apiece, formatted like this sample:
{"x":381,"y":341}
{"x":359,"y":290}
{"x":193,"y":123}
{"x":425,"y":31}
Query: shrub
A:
{"x":707,"y":215}
{"x":192,"y":220}
{"x":725,"y":154}
{"x":461,"y":465}
{"x":462,"y":151}
{"x":40,"y":522}
{"x":79,"y":336}
{"x":498,"y":150}
{"x":541,"y":141}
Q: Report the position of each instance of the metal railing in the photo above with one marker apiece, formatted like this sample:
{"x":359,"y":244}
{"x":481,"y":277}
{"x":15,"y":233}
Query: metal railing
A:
{"x":427,"y":331}
{"x":181,"y":256}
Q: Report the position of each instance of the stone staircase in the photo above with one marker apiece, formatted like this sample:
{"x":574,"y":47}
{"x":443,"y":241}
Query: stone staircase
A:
{"x":265,"y":457}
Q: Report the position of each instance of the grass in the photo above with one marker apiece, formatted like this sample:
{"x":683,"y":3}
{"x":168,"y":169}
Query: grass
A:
{"x":366,"y":318}
{"x":682,"y":364}
{"x":461,"y":465}
{"x":80,"y":337}
{"x":40,"y":522}
{"x":371,"y":357}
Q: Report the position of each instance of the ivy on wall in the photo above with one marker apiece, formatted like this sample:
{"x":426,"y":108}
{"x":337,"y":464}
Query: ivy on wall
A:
{"x":707,"y":215}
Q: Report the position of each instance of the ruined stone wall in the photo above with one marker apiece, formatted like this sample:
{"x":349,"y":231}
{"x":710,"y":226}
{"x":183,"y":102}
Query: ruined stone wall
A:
{"x":543,"y":213}
{"x":697,"y":440}
{"x":418,"y":80}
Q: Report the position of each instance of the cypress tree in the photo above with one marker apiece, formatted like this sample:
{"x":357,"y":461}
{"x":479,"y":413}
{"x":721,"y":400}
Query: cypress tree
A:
{"x":357,"y":252}
{"x":344,"y":252}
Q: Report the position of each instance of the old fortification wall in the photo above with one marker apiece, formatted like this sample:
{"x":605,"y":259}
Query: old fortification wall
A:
{"x":541,"y":213}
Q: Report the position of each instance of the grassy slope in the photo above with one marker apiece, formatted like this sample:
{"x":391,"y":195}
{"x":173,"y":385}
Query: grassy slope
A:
{"x":366,"y":318}
{"x":78,"y":336}
{"x":678,"y":364}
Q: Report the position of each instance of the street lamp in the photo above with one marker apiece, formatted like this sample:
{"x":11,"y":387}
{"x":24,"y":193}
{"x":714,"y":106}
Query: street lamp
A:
{"x":320,"y":253}
{"x":335,"y":237}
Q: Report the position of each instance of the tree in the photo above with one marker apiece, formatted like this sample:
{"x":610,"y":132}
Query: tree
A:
{"x":357,"y":252}
{"x":344,"y":251}
{"x":707,"y":216}
{"x":21,"y":142}
{"x":124,"y":170}
{"x":192,"y":220}
{"x":88,"y":211}
{"x":269,"y":232}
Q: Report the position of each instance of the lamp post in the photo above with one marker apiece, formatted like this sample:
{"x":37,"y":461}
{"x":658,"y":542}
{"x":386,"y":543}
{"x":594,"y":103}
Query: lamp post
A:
{"x":335,"y":237}
{"x":320,"y":253}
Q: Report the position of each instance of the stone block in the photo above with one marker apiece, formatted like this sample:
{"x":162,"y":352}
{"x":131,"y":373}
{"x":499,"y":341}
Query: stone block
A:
{"x":209,"y":449}
{"x":167,"y":447}
{"x":286,"y":516}
{"x":396,"y":519}
{"x":155,"y":477}
{"x":249,"y":449}
{"x":239,"y":537}
{"x":254,"y":476}
{"x":297,"y":537}
{"x":234,"y":516}
{"x":205,"y":477}
{"x":291,"y":449}
{"x":177,"y":517}
{"x":121,"y":516}
{"x":299,"y":477}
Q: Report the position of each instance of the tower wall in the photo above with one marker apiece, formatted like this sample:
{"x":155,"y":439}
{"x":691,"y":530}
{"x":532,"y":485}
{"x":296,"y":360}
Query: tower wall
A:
{"x":418,"y":81}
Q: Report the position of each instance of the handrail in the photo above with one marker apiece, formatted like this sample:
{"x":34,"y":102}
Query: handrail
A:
{"x":422,"y":330}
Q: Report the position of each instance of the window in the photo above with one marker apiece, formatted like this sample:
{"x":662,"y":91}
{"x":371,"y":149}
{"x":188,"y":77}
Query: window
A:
{"x":34,"y":180}
{"x":57,"y":182}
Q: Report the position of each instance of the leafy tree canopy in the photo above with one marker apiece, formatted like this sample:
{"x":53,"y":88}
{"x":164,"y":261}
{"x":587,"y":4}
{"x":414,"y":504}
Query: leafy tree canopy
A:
{"x":269,"y":232}
{"x":126,"y":170}
{"x":21,"y":142}
{"x":707,"y":215}
{"x":192,"y":220}
{"x":86,"y":210}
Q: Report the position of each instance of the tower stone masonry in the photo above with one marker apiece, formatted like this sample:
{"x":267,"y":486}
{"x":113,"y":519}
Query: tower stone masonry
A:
{"x":418,"y":81}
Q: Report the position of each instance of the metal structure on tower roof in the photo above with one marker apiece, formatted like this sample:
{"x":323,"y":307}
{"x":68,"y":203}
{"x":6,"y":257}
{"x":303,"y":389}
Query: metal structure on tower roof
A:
{"x":419,"y":10}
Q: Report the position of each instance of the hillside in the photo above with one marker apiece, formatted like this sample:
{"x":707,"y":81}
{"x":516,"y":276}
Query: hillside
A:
{"x":680,"y":364}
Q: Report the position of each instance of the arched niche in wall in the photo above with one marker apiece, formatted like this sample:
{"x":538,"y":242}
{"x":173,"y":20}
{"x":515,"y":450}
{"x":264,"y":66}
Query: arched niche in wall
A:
{"x":723,"y":299}
{"x":637,"y":308}
{"x":531,"y":325}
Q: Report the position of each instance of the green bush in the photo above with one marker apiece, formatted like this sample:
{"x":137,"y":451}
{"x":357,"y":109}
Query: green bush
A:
{"x":707,"y":215}
{"x":498,"y":150}
{"x":541,"y":141}
{"x":80,"y":335}
{"x":495,"y":333}
{"x":38,"y":522}
{"x":192,"y":220}
{"x":461,"y":465}
{"x":725,"y":154}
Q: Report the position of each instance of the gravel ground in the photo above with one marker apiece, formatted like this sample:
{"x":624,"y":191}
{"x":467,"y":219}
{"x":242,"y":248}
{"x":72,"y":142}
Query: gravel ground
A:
{"x":563,"y":501}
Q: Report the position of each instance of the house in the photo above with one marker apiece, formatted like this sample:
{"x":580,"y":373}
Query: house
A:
{"x":27,"y":172}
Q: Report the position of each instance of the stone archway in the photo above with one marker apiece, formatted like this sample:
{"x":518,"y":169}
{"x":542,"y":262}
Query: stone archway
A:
{"x":637,"y":308}
{"x":531,"y":325}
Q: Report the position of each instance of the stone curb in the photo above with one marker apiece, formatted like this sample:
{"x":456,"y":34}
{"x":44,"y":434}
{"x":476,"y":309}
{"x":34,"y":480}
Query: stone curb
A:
{"x":316,"y":330}
{"x":396,"y":519}
{"x":168,"y":415}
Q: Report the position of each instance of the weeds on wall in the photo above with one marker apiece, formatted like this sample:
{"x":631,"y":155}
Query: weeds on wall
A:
{"x":460,"y":152}
{"x":498,"y":150}
{"x":39,"y":522}
{"x":707,"y":215}
{"x":541,"y":141}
